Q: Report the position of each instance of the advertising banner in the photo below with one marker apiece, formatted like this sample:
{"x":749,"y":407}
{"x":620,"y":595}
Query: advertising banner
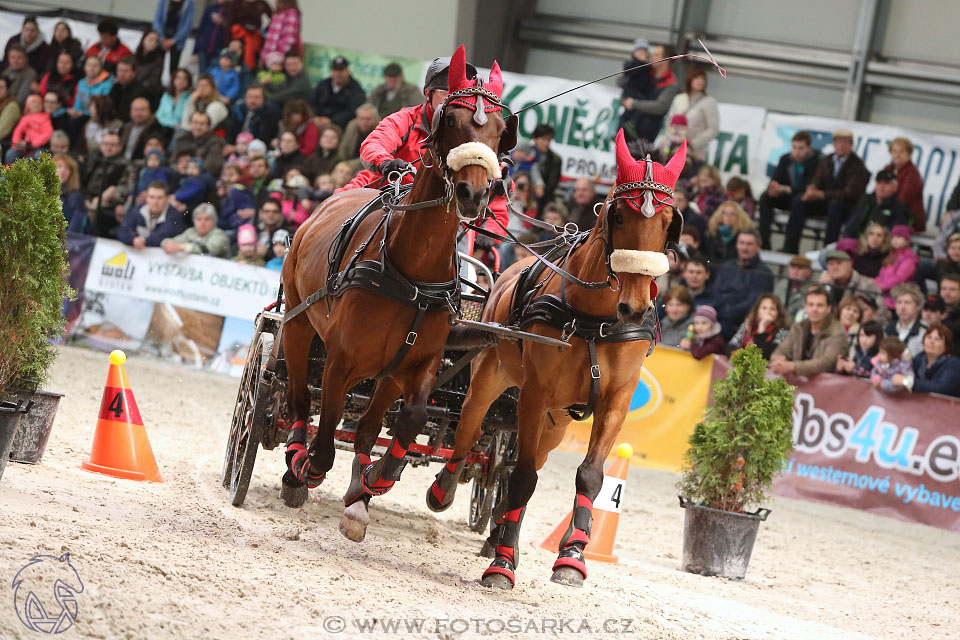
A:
{"x":201,"y":283}
{"x":367,"y":68}
{"x":665,"y":407}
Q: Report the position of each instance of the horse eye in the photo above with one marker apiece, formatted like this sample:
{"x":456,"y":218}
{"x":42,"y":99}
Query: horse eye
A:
{"x":450,"y":121}
{"x":618,"y":218}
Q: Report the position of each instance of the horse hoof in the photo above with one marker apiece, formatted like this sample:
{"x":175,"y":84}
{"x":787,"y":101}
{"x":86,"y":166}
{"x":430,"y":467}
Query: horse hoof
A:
{"x":497,"y":581}
{"x":293,"y":497}
{"x":353,"y":524}
{"x":567,"y":576}
{"x":488,"y":550}
{"x":435,"y":505}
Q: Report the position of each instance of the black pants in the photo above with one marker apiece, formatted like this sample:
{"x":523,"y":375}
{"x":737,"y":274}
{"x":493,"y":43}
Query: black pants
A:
{"x":836,"y":211}
{"x":767,"y":205}
{"x":174,"y":54}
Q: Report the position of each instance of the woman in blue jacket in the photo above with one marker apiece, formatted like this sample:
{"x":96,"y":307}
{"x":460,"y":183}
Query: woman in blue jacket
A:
{"x":934,"y":370}
{"x":173,"y":20}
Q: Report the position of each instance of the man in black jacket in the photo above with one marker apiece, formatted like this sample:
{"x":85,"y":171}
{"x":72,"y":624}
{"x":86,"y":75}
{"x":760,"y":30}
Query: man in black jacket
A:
{"x":548,"y":163}
{"x":336,"y":98}
{"x":739,"y":281}
{"x":794,"y":172}
{"x":881,"y":207}
{"x":255,"y":116}
{"x":125,"y":89}
{"x":100,"y":178}
{"x":142,"y":126}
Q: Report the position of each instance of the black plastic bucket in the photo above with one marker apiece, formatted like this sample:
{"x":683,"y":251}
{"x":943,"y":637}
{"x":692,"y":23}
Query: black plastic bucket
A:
{"x":35,"y":426}
{"x":718,"y":543}
{"x":10,"y":414}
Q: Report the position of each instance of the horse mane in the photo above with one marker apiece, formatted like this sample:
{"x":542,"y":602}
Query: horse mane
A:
{"x":640,"y":148}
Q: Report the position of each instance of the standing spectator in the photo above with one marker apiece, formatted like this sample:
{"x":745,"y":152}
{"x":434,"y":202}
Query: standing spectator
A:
{"x":148,"y":62}
{"x":142,"y":126}
{"x":295,"y":84}
{"x":881,"y":207}
{"x":226,"y":77}
{"x":638,"y":84}
{"x":582,"y":204}
{"x":149,"y":224}
{"x":32,"y":132}
{"x":907,"y":327}
{"x":935,"y":370}
{"x":211,"y":35}
{"x":96,"y":81}
{"x":34,"y":46}
{"x":898,"y":267}
{"x":256,"y":116}
{"x":395,"y":93}
{"x":200,"y":141}
{"x":726,"y":223}
{"x":814,"y":345}
{"x":766,"y":326}
{"x":109,"y":49}
{"x":794,"y":172}
{"x":648,"y":114}
{"x":703,"y":115}
{"x":205,"y":99}
{"x":290,"y":156}
{"x":909,"y":182}
{"x":103,"y":119}
{"x":335,"y":99}
{"x":696,"y":277}
{"x":327,"y":153}
{"x":63,"y":42}
{"x":357,"y":131}
{"x":791,"y":290}
{"x":283,"y":32}
{"x":9,"y":111}
{"x":740,"y":281}
{"x":62,"y":79}
{"x":548,"y":163}
{"x":203,"y":238}
{"x":841,"y":280}
{"x":739,"y":191}
{"x":870,"y":250}
{"x":71,"y":198}
{"x":174,"y":100}
{"x":709,"y":195}
{"x":247,"y":246}
{"x":102,"y":179}
{"x":707,"y":334}
{"x":677,"y":315}
{"x":19,"y":74}
{"x":174,"y":20}
{"x":839,"y":182}
{"x":859,"y":361}
{"x":245,"y":19}
{"x":125,"y":88}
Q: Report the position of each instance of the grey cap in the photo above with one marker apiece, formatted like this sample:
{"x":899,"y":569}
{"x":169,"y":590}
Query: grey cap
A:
{"x":836,"y":254}
{"x":280,"y":235}
{"x":641,"y":43}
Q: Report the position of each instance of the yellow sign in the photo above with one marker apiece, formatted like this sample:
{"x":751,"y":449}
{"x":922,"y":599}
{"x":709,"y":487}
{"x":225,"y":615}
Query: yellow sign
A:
{"x":666,"y":405}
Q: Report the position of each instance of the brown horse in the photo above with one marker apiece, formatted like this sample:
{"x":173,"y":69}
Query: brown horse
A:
{"x":384,"y":294}
{"x":616,"y":327}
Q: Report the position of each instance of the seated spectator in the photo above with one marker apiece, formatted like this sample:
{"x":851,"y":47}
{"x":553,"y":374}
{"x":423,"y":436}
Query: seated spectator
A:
{"x":342,"y":174}
{"x":673,"y":136}
{"x":62,"y":79}
{"x":203,"y":238}
{"x":707,"y":338}
{"x":859,"y":360}
{"x":869,"y":252}
{"x":677,"y":315}
{"x":582,"y":203}
{"x":205,"y":99}
{"x":273,"y":71}
{"x":556,"y":214}
{"x":548,"y":163}
{"x":841,"y":280}
{"x":766,"y":326}
{"x":726,"y":223}
{"x":891,"y":360}
{"x":57,"y":111}
{"x":238,"y":206}
{"x":739,"y":191}
{"x":909,"y":182}
{"x":709,"y":196}
{"x":63,"y":42}
{"x":34,"y":47}
{"x":298,"y":120}
{"x":103,"y":118}
{"x":839,"y":182}
{"x":791,"y":289}
{"x":19,"y":74}
{"x":247,"y":246}
{"x":395,"y":93}
{"x":690,"y":239}
{"x":907,"y":327}
{"x":279,"y":244}
{"x":295,"y":84}
{"x":256,"y":116}
{"x":200,"y":141}
{"x":934,"y":311}
{"x":245,"y":22}
{"x":142,"y":126}
{"x":258,"y":173}
{"x":950,"y":292}
{"x":174,"y":100}
{"x":335,"y":99}
{"x":268,"y":221}
{"x":900,"y":265}
{"x":813,"y":345}
{"x":692,"y":218}
{"x":794,"y":172}
{"x":60,"y":144}
{"x":949,"y":225}
{"x":96,"y":81}
{"x":739,"y":281}
{"x":211,"y":35}
{"x":225,"y":76}
{"x":880,"y":207}
{"x":71,"y":198}
{"x":850,"y":314}
{"x":194,"y":188}
{"x":696,"y":278}
{"x":283,"y":32}
{"x":102,"y":180}
{"x":357,"y":131}
{"x":289,"y":156}
{"x":294,"y":209}
{"x":154,"y":170}
{"x":951,"y":262}
{"x":149,"y":224}
{"x":126,"y":88}
{"x":148,"y":64}
{"x":109,"y":50}
{"x":934,"y":370}
{"x":326,"y":155}
{"x":32,"y":132}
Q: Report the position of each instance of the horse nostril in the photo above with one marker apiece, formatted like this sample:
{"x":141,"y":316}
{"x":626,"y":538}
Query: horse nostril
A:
{"x":482,"y":195}
{"x":625,"y":310}
{"x":464,"y":192}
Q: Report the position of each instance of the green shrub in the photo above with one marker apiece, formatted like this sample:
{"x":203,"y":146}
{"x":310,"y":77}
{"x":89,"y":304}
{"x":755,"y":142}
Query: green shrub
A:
{"x":33,"y":269}
{"x":743,"y":439}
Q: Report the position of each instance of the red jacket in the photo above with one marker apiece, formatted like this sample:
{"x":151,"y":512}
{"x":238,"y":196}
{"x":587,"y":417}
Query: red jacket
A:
{"x":910,"y":193}
{"x":400,"y":135}
{"x":112,"y":56}
{"x":35,"y":129}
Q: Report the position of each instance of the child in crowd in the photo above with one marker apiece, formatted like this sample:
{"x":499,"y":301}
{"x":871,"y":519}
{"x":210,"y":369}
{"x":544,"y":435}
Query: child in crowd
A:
{"x":899,"y":266}
{"x":32,"y":132}
{"x":226,"y":76}
{"x":850,"y":314}
{"x":888,"y":363}
{"x":673,"y":134}
{"x":273,"y":74}
{"x":247,"y":246}
{"x":740,"y":192}
{"x":180,"y":163}
{"x":154,"y":170}
{"x":295,"y":209}
{"x":279,"y":240}
{"x":237,"y":206}
{"x":240,"y":156}
{"x":677,"y":315}
{"x":709,"y":195}
{"x":324,"y":182}
{"x":707,"y":338}
{"x":858,"y":362}
{"x":194,"y":187}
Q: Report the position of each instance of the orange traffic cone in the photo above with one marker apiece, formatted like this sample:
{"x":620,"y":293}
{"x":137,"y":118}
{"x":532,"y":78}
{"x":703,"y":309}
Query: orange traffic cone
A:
{"x":606,"y":512}
{"x":120,"y":445}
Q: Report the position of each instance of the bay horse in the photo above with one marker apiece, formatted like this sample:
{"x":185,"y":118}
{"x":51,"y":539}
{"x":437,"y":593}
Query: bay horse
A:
{"x":379,"y":288}
{"x":611,"y":313}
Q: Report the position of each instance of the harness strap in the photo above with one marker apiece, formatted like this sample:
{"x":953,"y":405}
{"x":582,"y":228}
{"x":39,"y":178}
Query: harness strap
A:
{"x":405,"y":347}
{"x":582,"y":412}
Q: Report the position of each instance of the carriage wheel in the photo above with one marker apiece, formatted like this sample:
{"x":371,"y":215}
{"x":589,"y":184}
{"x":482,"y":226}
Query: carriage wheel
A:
{"x":228,"y":456}
{"x":484,"y":491}
{"x":248,"y":421}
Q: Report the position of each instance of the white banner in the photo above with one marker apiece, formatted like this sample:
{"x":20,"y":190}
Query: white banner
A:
{"x":736,"y":149}
{"x":202,"y":283}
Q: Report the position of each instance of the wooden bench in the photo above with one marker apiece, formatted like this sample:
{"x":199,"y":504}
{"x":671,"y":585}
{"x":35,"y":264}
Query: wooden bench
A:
{"x":814,"y":228}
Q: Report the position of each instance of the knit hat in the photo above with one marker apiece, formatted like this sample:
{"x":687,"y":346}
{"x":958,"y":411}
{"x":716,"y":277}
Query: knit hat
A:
{"x":886,"y":175}
{"x":244,"y":137}
{"x":679,"y":120}
{"x":231,"y":55}
{"x":280,"y":235}
{"x":706,"y":312}
{"x":902,"y":231}
{"x":295,"y":182}
{"x":246,"y":235}
{"x":850,"y":245}
{"x":272,"y":58}
{"x":155,"y":152}
{"x":640,"y":43}
{"x":257,"y":148}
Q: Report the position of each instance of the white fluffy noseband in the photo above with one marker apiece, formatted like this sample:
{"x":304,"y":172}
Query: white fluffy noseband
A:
{"x":648,"y":263}
{"x":474,"y":153}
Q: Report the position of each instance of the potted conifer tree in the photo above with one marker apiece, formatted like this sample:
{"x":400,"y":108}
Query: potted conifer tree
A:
{"x":33,"y":286}
{"x":735,"y":453}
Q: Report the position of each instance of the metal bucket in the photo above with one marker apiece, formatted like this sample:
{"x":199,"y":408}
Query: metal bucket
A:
{"x":10,"y":414}
{"x":35,"y":426}
{"x":718,"y":543}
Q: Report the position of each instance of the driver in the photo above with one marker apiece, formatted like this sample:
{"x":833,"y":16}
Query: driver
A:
{"x":397,"y":139}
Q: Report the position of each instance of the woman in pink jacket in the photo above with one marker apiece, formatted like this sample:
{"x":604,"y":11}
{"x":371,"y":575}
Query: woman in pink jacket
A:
{"x":900,"y":265}
{"x":283,"y":33}
{"x":32,"y":132}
